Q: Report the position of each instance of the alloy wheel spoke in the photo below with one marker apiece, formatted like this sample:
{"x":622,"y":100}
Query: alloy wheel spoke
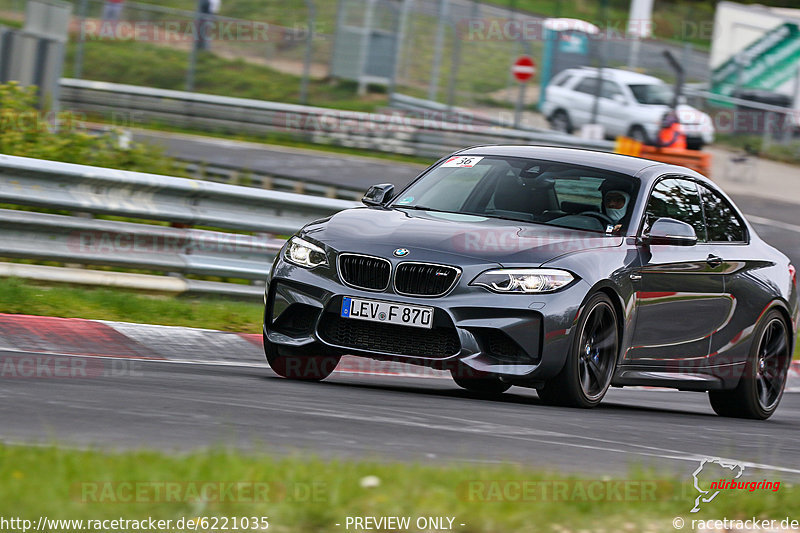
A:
{"x":776,"y":345}
{"x":596,"y":371}
{"x":763,"y":393}
{"x":586,"y":380}
{"x":591,"y":326}
{"x":608,"y":340}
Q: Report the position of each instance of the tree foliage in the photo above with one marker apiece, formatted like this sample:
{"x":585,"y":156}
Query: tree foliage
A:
{"x":66,"y":136}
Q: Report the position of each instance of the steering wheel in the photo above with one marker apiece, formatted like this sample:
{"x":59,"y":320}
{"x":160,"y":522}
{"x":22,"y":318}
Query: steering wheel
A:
{"x":599,"y":216}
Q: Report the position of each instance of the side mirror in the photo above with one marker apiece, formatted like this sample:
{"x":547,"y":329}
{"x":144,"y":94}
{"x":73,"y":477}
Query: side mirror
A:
{"x":620,"y":99}
{"x":670,"y":232}
{"x":378,"y":194}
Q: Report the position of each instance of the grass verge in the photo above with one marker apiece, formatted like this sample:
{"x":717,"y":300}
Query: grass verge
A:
{"x":783,"y":153}
{"x":30,"y":298}
{"x":311,"y":495}
{"x":150,"y":65}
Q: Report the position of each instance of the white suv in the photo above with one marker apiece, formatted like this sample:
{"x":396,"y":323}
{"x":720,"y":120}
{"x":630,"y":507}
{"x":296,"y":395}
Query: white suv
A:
{"x":630,"y":104}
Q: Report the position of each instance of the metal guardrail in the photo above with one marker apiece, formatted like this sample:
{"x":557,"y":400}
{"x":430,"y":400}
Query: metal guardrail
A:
{"x":56,"y":185}
{"x":394,"y":133}
{"x":266,"y":180}
{"x":90,"y":191}
{"x":73,"y":239}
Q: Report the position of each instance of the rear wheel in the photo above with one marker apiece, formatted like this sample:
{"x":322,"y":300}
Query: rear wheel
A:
{"x":477,"y":381}
{"x":291,"y":365}
{"x":591,"y":360}
{"x":559,"y":121}
{"x":761,"y":386}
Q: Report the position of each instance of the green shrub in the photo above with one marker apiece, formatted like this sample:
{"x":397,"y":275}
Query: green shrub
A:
{"x":29,"y":132}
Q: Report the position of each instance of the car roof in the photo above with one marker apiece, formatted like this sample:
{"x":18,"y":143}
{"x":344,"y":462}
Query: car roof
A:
{"x":624,"y":164}
{"x":619,"y":75}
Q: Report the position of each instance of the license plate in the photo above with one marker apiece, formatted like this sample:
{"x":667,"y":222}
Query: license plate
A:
{"x":387,"y":312}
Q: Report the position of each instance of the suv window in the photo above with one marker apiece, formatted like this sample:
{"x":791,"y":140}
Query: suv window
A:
{"x":587,"y":85}
{"x":561,"y":79}
{"x":609,"y":89}
{"x":678,"y":199}
{"x":724,"y":224}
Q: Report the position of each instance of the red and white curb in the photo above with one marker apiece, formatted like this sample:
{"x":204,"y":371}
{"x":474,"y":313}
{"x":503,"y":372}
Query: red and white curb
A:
{"x":99,"y":338}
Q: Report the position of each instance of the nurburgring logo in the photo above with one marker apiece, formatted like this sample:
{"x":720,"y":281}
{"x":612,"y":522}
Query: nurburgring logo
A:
{"x":709,"y":484}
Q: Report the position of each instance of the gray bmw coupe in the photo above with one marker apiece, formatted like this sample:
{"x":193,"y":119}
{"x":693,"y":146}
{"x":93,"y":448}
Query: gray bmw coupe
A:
{"x":559,"y":269}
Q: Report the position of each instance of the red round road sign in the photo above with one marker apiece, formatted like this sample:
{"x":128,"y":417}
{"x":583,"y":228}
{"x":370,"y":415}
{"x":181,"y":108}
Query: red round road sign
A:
{"x":524,"y":68}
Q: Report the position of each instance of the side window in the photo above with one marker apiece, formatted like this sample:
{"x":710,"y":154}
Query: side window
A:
{"x":584,"y":192}
{"x":678,"y":199}
{"x":724,"y":225}
{"x":588,"y":86}
{"x":610,"y":89}
{"x":561,"y":79}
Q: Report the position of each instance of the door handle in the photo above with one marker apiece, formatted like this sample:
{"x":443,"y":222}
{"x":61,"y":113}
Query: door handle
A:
{"x":713,"y":260}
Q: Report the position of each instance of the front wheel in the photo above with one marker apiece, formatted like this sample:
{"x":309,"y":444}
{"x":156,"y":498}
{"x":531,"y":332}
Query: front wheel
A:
{"x":638,"y":134}
{"x":591,"y":360}
{"x":761,"y":386}
{"x":299,"y":367}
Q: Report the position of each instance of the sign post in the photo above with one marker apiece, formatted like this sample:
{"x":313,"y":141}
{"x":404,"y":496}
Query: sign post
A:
{"x":523,"y":70}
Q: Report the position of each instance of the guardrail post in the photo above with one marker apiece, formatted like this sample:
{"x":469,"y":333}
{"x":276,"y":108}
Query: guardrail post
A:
{"x":195,"y":46}
{"x":433,"y":88}
{"x":78,"y":65}
{"x":310,"y":31}
{"x":365,"y":42}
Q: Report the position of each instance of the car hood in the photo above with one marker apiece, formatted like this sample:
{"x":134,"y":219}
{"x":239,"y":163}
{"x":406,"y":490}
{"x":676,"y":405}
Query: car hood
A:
{"x":431,"y":235}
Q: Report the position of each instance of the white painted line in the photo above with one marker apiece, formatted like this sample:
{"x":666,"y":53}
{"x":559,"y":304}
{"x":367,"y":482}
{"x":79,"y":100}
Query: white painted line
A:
{"x":774,"y":223}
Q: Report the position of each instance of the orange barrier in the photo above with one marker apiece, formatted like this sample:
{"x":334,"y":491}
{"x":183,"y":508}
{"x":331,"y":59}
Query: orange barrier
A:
{"x":697,"y":160}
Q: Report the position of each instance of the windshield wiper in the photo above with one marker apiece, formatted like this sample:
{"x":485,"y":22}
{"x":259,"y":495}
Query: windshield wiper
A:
{"x":421,"y":208}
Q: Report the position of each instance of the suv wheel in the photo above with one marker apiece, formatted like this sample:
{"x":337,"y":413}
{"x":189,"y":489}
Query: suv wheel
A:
{"x":638,"y":134}
{"x":559,"y":121}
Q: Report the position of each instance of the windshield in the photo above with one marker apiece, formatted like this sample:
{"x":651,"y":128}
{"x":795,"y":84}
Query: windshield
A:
{"x":653,"y":94}
{"x":526,"y":190}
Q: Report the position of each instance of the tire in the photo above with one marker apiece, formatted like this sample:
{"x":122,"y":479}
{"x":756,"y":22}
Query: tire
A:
{"x":299,"y":367}
{"x":638,"y":133}
{"x":477,"y":381}
{"x":761,"y":386}
{"x":591,"y":361}
{"x":694,"y":143}
{"x":560,"y":121}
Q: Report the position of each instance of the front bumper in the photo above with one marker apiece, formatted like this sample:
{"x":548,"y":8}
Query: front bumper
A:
{"x":524,"y":338}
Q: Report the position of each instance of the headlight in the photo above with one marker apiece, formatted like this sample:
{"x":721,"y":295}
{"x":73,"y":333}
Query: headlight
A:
{"x":524,"y":280}
{"x":305,"y":254}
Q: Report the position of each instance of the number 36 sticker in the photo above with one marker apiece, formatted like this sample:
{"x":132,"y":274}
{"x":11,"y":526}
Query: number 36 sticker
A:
{"x":462,"y":162}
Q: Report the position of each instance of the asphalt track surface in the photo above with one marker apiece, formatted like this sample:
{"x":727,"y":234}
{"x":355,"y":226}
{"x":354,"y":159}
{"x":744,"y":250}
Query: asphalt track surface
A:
{"x":180,"y":406}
